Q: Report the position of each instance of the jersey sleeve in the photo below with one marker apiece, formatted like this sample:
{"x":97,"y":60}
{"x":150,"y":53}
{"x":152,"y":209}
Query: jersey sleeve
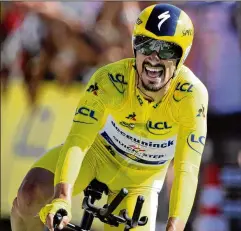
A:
{"x":192,"y":118}
{"x":87,"y":121}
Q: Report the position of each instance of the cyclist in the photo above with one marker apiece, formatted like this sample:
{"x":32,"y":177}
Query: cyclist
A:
{"x":135,"y":116}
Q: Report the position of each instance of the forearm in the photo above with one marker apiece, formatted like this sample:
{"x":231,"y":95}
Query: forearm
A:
{"x":187,"y":159}
{"x":82,"y":135}
{"x":67,"y":170}
{"x":63,"y":191}
{"x":183,"y":193}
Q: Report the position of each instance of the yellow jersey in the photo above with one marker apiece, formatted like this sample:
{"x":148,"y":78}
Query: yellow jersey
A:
{"x":113,"y":117}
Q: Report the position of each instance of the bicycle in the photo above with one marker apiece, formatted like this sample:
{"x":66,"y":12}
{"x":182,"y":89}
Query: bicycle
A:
{"x":94,"y":192}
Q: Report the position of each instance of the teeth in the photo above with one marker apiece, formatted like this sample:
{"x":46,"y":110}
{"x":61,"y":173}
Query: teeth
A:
{"x":154,"y":69}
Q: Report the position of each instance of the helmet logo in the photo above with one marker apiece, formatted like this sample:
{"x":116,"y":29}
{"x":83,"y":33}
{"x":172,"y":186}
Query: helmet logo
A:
{"x":163,"y":17}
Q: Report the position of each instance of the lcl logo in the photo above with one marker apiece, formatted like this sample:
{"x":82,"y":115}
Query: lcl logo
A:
{"x":86,"y":112}
{"x":182,"y":87}
{"x":158,"y":128}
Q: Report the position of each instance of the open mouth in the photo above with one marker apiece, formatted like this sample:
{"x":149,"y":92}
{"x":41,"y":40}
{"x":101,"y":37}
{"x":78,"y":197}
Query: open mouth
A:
{"x":154,"y":72}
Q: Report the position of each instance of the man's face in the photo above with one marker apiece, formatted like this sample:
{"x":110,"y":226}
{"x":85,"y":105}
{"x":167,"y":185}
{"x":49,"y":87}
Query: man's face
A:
{"x":154,"y":72}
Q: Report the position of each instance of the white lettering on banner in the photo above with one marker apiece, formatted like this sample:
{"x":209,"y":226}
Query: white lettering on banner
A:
{"x":147,"y":151}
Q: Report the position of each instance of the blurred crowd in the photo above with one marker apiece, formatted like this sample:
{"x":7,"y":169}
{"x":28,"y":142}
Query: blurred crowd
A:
{"x":67,"y":41}
{"x":63,"y":40}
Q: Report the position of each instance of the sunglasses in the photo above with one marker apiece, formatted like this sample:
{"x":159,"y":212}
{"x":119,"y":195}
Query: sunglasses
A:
{"x":165,"y":50}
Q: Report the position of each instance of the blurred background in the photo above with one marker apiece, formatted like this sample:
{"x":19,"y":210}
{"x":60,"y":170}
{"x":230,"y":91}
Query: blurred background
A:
{"x":49,"y":50}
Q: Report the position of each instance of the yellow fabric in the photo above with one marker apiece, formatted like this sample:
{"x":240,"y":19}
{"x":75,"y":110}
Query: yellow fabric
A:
{"x":192,"y":133}
{"x":125,"y":141}
{"x":98,"y":165}
{"x":52,"y":208}
{"x":65,"y":171}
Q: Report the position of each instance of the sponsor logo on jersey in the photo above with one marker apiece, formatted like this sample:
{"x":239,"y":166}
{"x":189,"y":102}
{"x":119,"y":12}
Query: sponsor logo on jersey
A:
{"x":158,"y":128}
{"x":132,"y":116}
{"x":146,"y":151}
{"x":142,"y":142}
{"x":93,"y":88}
{"x":139,"y":100}
{"x":201,"y":112}
{"x":156,"y":105}
{"x":196,"y":142}
{"x":137,"y":148}
{"x":158,"y":125}
{"x":118,"y":81}
{"x":185,"y":87}
{"x":109,"y":148}
{"x":128,"y":125}
{"x":128,"y":151}
{"x":182,"y":87}
{"x":85,"y":112}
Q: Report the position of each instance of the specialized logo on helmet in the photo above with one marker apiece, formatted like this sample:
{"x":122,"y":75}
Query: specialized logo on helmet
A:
{"x":163,"y":17}
{"x":163,"y":20}
{"x":187,"y":32}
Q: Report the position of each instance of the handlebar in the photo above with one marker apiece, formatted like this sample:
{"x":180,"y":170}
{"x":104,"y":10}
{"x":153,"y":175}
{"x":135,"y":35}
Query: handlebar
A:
{"x":58,"y":218}
{"x":104,"y":214}
{"x":135,"y":221}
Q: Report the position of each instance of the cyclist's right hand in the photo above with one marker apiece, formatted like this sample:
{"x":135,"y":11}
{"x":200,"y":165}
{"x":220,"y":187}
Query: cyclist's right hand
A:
{"x":47,"y":213}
